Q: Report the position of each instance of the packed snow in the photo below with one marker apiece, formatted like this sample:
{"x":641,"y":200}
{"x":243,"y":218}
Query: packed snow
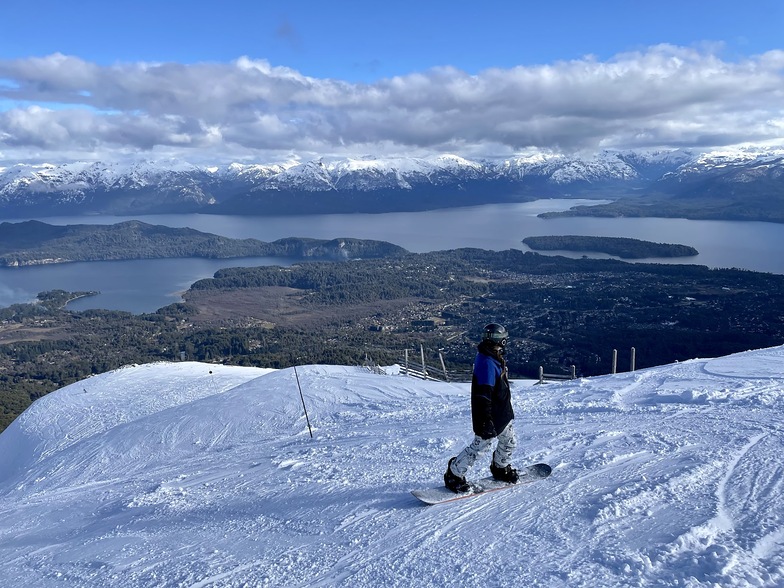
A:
{"x":194,"y":475}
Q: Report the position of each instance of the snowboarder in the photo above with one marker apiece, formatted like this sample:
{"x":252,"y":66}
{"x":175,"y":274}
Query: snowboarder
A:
{"x":491,"y":414}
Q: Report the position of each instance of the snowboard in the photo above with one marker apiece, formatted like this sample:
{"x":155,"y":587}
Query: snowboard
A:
{"x":441,"y":494}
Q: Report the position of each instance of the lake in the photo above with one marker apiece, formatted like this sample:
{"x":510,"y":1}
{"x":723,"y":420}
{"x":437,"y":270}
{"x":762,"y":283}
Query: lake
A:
{"x":146,"y":285}
{"x":138,"y":286}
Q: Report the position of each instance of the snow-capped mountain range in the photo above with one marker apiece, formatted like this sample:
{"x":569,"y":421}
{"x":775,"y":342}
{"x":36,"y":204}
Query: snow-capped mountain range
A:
{"x":196,"y":474}
{"x":368,"y":184}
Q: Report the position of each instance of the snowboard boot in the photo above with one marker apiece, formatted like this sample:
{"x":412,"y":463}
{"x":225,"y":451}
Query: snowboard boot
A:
{"x":453,"y":482}
{"x":507,"y":474}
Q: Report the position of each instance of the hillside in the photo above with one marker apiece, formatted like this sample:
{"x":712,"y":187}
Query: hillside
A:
{"x":35,"y":243}
{"x":193,"y":474}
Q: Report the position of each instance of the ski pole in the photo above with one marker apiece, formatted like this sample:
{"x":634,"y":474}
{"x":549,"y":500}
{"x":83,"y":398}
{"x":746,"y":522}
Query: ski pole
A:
{"x":303,"y":402}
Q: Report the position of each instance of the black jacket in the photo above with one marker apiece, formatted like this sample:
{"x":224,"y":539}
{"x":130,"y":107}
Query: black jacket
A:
{"x":491,"y":397}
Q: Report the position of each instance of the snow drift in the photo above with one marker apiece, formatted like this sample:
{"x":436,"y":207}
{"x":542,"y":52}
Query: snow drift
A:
{"x":195,"y":475}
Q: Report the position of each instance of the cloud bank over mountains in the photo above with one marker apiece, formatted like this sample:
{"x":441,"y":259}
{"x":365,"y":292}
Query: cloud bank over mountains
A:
{"x":61,"y":107}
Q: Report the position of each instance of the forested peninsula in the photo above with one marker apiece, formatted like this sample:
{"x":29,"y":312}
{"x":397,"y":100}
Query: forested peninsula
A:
{"x":37,"y":243}
{"x":622,"y":247}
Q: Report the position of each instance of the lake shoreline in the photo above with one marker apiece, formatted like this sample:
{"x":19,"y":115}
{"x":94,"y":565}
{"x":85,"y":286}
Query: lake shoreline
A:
{"x":146,"y":285}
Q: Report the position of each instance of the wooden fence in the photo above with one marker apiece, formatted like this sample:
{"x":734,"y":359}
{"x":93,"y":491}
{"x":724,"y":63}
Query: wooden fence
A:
{"x":418,"y":367}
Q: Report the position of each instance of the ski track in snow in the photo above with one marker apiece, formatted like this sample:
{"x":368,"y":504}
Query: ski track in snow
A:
{"x":195,"y":475}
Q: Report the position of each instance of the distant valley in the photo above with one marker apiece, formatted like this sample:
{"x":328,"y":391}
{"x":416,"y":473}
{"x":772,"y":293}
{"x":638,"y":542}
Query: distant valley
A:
{"x":560,"y":312}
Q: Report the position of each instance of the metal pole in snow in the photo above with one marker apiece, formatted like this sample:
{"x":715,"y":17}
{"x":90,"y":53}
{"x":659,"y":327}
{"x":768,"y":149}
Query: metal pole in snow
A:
{"x":303,"y":402}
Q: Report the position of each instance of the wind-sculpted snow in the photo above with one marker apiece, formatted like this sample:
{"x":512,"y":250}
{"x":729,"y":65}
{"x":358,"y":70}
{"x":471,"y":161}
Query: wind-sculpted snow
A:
{"x":193,"y":474}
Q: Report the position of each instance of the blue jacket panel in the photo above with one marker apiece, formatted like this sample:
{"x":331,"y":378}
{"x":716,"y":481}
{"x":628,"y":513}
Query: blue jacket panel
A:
{"x":486,"y":370}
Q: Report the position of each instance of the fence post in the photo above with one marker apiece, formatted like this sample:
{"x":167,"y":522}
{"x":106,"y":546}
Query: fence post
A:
{"x":634,"y":353}
{"x":574,"y":373}
{"x":443,"y":365}
{"x":424,"y":366}
{"x":615,"y":361}
{"x":405,"y":368}
{"x":541,"y":374}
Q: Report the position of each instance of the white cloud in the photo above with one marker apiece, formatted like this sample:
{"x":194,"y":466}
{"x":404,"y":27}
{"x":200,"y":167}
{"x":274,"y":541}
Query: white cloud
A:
{"x":664,"y":96}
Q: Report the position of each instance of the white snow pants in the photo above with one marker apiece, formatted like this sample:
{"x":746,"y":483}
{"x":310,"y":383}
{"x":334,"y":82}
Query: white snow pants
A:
{"x":502,"y":456}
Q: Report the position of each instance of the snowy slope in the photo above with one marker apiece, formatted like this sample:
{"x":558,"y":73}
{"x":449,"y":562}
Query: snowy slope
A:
{"x":199,"y":475}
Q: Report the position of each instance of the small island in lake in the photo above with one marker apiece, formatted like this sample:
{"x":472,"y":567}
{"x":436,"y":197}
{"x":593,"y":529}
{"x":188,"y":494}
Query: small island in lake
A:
{"x":622,"y":247}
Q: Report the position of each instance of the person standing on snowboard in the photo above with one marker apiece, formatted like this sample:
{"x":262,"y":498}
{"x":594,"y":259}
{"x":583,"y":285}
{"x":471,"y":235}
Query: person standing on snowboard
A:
{"x":491,"y":414}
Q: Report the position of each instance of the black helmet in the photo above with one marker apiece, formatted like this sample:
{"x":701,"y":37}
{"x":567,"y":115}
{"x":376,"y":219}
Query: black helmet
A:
{"x":495,"y":333}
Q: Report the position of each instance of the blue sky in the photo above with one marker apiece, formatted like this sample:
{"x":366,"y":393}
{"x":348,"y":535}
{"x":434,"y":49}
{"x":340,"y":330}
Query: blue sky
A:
{"x":363,"y":41}
{"x":262,"y":80}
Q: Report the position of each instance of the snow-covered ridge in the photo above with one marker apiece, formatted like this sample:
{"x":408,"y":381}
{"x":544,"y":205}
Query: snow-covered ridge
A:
{"x":742,"y":161}
{"x":370,"y":172}
{"x":365,"y":184}
{"x":193,"y":474}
